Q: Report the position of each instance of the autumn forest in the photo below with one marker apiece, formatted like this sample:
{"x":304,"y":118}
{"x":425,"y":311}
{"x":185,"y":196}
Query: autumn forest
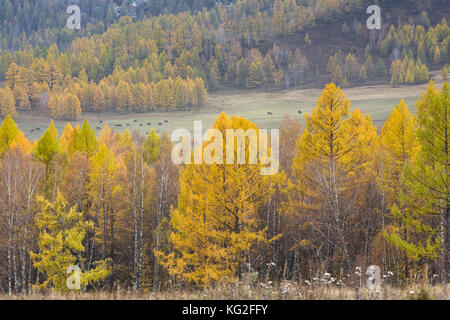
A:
{"x":351,"y":192}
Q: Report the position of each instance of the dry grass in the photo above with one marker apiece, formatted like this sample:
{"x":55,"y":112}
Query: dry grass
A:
{"x":284,"y":291}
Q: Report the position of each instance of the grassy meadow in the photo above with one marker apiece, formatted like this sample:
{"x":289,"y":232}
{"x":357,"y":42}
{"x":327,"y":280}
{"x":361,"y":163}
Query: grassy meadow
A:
{"x":378,"y":101}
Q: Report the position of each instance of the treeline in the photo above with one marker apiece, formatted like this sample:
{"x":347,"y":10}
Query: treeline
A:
{"x":408,"y":71}
{"x":346,"y":197}
{"x":414,"y":41}
{"x":45,"y":85}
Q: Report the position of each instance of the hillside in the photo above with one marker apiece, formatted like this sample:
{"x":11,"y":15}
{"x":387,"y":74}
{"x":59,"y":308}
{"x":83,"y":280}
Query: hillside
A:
{"x":328,"y":37}
{"x":42,"y":22}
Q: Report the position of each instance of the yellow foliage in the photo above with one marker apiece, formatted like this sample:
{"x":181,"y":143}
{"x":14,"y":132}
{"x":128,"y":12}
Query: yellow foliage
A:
{"x":218,"y":220}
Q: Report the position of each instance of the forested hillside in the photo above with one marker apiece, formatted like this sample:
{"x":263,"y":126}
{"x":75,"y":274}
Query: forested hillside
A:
{"x":167,"y":62}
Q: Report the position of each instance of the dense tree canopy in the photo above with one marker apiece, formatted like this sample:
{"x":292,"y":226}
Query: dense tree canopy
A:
{"x":346,"y":197}
{"x":167,"y":62}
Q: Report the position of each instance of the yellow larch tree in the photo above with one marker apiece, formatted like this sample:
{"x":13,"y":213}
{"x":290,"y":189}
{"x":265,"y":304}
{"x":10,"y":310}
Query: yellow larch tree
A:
{"x":397,"y":146}
{"x":102,"y":184}
{"x":218,"y":218}
{"x":8,"y":133}
{"x":7,"y":103}
{"x":334,"y":159}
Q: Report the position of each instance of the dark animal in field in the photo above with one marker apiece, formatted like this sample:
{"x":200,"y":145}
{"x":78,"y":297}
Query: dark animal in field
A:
{"x":128,"y":124}
{"x":101,"y":121}
{"x":160,"y":123}
{"x":98,"y":128}
{"x":299,"y":111}
{"x":269,"y":113}
{"x":32,"y":130}
{"x":118,"y":125}
{"x":149,"y":124}
{"x":166,"y":121}
{"x":140,"y":124}
{"x":135,"y":121}
{"x":38,"y":129}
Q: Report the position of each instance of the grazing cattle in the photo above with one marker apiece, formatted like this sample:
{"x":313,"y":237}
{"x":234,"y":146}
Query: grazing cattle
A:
{"x":101,"y":121}
{"x":38,"y":129}
{"x":118,"y":125}
{"x":269,"y":113}
{"x":140,"y":124}
{"x":149,"y":124}
{"x":128,"y":124}
{"x":166,"y":121}
{"x":160,"y":123}
{"x":98,"y":128}
{"x":32,"y":130}
{"x":299,"y":111}
{"x":135,"y":121}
